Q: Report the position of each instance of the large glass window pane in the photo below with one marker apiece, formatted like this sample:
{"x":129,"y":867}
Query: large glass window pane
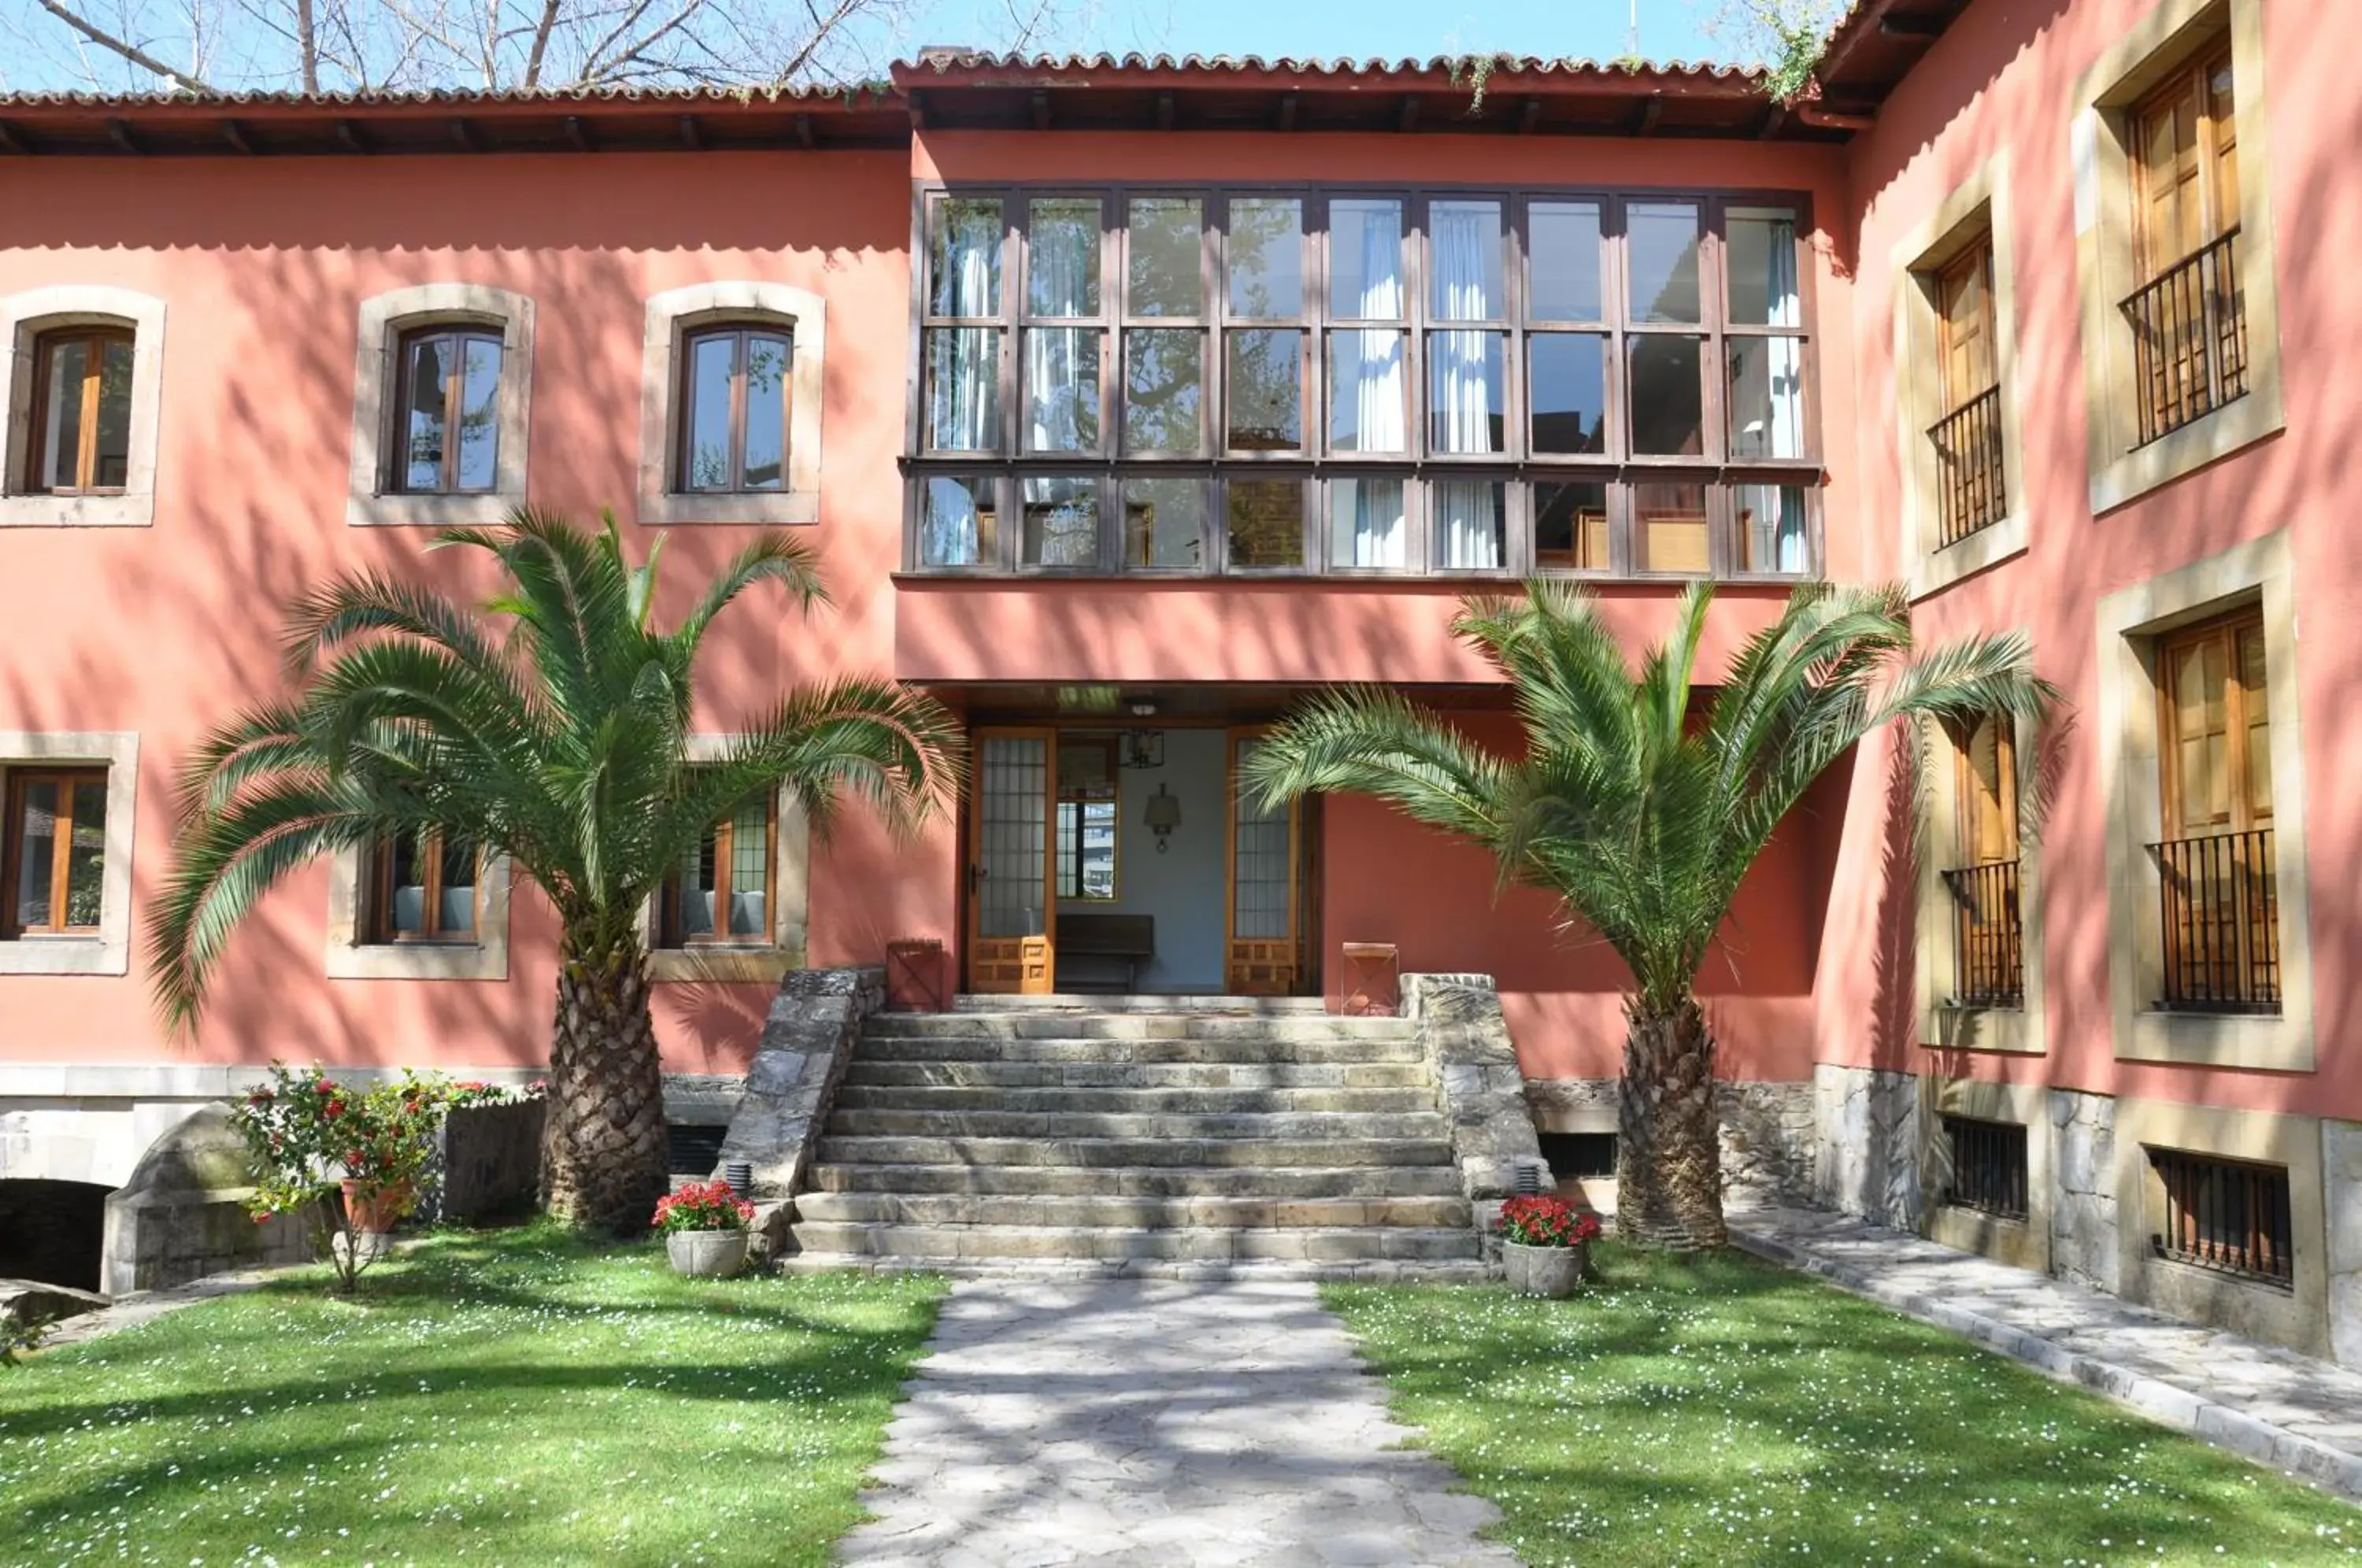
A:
{"x":962,"y":388}
{"x":1365,"y":260}
{"x":1167,"y":256}
{"x":957,"y":521}
{"x":1465,"y":255}
{"x":86,"y":855}
{"x":1760,"y":254}
{"x":750,"y":847}
{"x":695,"y":888}
{"x":406,"y":887}
{"x":1266,"y":389}
{"x":1766,"y":396}
{"x":455,"y":913}
{"x":1571,"y":527}
{"x":1165,"y":524}
{"x":1471,"y":525}
{"x":1061,"y":388}
{"x":1568,"y":391}
{"x":110,"y":463}
{"x":36,"y":850}
{"x":1164,"y":388}
{"x":1367,"y":528}
{"x":480,"y":408}
{"x":1661,"y":244}
{"x":61,"y":413}
{"x":768,"y":359}
{"x":1669,"y":528}
{"x":1266,"y":523}
{"x":1266,"y":257}
{"x":964,"y":258}
{"x":424,"y":412}
{"x":1366,"y":383}
{"x":1062,"y":520}
{"x":1466,"y":410}
{"x":1062,"y":257}
{"x":1771,"y":527}
{"x":1014,"y":793}
{"x":1668,"y":397}
{"x":707,"y":458}
{"x":1564,"y":240}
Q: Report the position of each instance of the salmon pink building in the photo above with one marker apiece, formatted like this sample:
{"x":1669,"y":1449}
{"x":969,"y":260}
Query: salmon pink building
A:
{"x":1129,"y":402}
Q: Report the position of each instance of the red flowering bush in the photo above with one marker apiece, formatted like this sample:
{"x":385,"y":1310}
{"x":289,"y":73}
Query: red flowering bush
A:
{"x":307,"y":1134}
{"x":704,"y":1205}
{"x":1546,"y":1223}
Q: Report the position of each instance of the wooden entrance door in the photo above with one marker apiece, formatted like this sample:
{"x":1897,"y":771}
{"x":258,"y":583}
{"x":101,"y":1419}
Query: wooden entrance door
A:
{"x":1262,"y":920}
{"x":1012,"y":862}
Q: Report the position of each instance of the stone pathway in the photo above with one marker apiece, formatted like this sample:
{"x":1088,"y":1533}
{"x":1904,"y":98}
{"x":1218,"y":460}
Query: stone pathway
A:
{"x":2288,"y":1411}
{"x":1156,"y":1422}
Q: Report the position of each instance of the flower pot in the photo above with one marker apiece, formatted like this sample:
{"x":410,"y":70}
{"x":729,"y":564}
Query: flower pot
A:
{"x":706,"y":1254}
{"x":373,"y":1210}
{"x":1552,"y":1272}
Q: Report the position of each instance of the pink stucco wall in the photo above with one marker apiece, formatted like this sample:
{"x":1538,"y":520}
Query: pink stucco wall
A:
{"x":2002,"y":78}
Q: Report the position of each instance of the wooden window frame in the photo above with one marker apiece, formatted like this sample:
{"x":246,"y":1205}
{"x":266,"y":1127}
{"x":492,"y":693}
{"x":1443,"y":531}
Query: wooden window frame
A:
{"x":2232,"y":630}
{"x":455,"y":388}
{"x":2210,"y":150}
{"x":1518,"y":466}
{"x":94,"y":341}
{"x":380,"y":930}
{"x":12,"y":852}
{"x":1976,"y":256}
{"x":724,"y":834}
{"x":739,"y":333}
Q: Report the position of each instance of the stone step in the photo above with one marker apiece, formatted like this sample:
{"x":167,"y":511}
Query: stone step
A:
{"x":1306,"y":1029}
{"x":1309,"y":1244}
{"x":1159,"y":1002}
{"x":1248,"y":1126}
{"x":1162,"y":1154}
{"x":932,"y":1097}
{"x":876,"y":1047}
{"x":1144,"y":1181}
{"x":1064,"y":1213}
{"x":1100,"y":1073}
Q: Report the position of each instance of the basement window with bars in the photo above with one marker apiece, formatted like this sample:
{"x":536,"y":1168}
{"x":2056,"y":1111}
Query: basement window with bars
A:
{"x":2230,"y":1216}
{"x":1988,"y":1166}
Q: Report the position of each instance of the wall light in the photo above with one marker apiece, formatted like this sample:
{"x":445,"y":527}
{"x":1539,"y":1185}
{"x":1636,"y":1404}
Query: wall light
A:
{"x":1163,"y":816}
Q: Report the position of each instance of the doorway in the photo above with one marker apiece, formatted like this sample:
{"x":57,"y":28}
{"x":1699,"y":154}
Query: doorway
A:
{"x":1113,"y":858}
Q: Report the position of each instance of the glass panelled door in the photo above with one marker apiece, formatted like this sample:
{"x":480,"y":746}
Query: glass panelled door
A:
{"x":1011,"y":862}
{"x":1263,"y":950}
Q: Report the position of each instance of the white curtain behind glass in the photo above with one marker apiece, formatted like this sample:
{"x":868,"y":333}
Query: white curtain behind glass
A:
{"x":1379,"y":535}
{"x":1462,"y":410}
{"x":959,"y":397}
{"x":1779,"y":542}
{"x":1059,"y":284}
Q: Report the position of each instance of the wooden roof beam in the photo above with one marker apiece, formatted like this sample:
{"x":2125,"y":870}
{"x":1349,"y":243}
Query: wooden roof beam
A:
{"x":805,"y":137}
{"x":13,"y":143}
{"x":463,"y":136}
{"x":1892,"y":25}
{"x":348,"y":137}
{"x":1645,"y":117}
{"x":1409,"y":118}
{"x":119,"y":133}
{"x":1039,"y":100}
{"x":692,"y":135}
{"x":1288,"y":105}
{"x":234,"y":134}
{"x":1529,"y":114}
{"x":578,"y":134}
{"x":1167,"y":114}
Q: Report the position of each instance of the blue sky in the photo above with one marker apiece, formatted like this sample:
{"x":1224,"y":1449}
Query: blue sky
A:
{"x":1669,"y":30}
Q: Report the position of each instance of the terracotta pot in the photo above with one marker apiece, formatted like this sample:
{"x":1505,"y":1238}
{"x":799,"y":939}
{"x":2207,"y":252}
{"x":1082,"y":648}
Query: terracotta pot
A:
{"x":375,"y":1209}
{"x":706,"y":1254}
{"x":1552,"y":1272}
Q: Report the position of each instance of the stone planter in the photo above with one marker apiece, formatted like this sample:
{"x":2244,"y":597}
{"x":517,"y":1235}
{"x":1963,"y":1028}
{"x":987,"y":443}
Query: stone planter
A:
{"x":707,"y":1254}
{"x":1551,"y":1272}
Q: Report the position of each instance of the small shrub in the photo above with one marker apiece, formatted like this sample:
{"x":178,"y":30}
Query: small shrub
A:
{"x":306,"y":1135}
{"x":19,"y":1338}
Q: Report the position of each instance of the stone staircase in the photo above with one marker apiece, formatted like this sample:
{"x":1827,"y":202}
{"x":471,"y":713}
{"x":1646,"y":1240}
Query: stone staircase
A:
{"x":1146,"y":1135}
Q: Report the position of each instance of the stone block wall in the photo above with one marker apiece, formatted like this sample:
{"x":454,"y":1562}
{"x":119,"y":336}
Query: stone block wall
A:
{"x":1467,"y":1043}
{"x":1767,"y":1129}
{"x":488,"y":1160}
{"x":806,"y":1046}
{"x":2341,"y":1172}
{"x":183,"y":1214}
{"x":1866,"y":1126}
{"x":2083,"y":1241}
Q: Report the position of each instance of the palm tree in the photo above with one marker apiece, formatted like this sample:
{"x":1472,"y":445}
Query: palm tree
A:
{"x":1642,"y":808}
{"x":562,"y":745}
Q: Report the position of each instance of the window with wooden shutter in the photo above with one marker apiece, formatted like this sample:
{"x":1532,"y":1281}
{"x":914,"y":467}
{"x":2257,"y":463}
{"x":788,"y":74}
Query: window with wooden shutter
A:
{"x":2219,"y":887}
{"x":2187,"y":317}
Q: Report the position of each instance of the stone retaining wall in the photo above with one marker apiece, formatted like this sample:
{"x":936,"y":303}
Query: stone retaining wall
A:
{"x":1467,"y":1043}
{"x":2083,"y":1243}
{"x":807,"y":1043}
{"x":1767,"y":1129}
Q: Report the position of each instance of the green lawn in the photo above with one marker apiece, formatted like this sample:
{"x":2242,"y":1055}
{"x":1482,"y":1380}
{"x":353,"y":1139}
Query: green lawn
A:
{"x":508,"y":1396}
{"x":1723,"y":1412}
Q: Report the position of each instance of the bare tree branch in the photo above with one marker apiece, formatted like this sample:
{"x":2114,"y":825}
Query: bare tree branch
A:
{"x":130,"y":51}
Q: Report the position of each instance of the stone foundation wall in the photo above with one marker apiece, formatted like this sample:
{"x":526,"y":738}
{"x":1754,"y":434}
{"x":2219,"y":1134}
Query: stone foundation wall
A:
{"x":1767,"y":1129}
{"x":2341,"y":1172}
{"x":2083,"y":1241}
{"x":806,"y":1046}
{"x":1866,"y":1127}
{"x":1467,"y":1043}
{"x":183,"y":1214}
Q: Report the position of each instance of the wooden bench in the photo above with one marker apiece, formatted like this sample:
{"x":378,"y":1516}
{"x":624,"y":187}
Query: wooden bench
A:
{"x":1107,"y":946}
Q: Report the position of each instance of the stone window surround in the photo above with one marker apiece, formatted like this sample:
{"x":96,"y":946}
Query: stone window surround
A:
{"x":2130,"y":622}
{"x":672,"y":315}
{"x":109,"y":952}
{"x":791,"y":904}
{"x":2105,"y":251}
{"x":349,"y":957}
{"x":23,"y":318}
{"x":2299,"y":1317}
{"x":1979,"y":207}
{"x":2018,"y":1030}
{"x":383,"y":319}
{"x":2024,"y":1243}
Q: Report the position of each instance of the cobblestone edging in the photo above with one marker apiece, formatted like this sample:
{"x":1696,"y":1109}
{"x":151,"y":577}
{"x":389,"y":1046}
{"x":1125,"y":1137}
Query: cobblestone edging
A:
{"x":2291,"y":1413}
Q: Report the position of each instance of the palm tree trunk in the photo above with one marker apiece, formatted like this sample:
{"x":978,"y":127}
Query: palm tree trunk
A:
{"x":602,"y":1147}
{"x":1668,"y":1153}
